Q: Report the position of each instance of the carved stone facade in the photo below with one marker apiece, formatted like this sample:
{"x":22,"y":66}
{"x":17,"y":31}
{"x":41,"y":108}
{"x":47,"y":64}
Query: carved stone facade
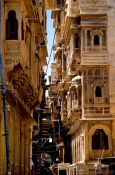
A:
{"x":24,"y":53}
{"x":84,"y":55}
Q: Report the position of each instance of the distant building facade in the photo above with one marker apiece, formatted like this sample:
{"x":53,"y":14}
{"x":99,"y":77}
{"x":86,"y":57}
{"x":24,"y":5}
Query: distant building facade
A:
{"x":84,"y":60}
{"x":24,"y":55}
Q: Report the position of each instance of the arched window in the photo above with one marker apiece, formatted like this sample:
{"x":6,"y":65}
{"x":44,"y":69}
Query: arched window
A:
{"x":96,"y":40}
{"x":77,"y":41}
{"x":98,"y":92}
{"x":100,"y":140}
{"x":11,"y":26}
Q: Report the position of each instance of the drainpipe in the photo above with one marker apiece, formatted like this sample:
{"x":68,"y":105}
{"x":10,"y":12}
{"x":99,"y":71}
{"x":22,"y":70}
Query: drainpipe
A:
{"x":3,"y":90}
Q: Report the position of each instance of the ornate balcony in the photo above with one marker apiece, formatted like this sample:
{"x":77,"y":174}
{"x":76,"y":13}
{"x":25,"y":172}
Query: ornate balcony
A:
{"x":60,"y":88}
{"x":73,"y":116}
{"x":23,"y":86}
{"x":15,"y":52}
{"x":41,"y":47}
{"x":75,"y":59}
{"x":72,"y":8}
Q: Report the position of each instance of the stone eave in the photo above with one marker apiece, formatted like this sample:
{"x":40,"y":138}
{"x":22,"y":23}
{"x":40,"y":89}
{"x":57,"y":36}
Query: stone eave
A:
{"x":37,"y":25}
{"x":29,"y":8}
{"x":49,"y":4}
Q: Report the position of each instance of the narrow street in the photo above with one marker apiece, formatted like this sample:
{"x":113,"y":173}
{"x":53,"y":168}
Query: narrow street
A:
{"x":57,"y":95}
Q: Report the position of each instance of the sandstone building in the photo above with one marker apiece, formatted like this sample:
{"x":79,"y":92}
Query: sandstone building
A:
{"x":24,"y":54}
{"x":84,"y":78}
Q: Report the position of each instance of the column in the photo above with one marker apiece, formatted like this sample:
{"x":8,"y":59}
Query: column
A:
{"x":85,"y":40}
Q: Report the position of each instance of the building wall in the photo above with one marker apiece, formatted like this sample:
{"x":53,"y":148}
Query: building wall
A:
{"x":23,"y":66}
{"x":86,"y":38}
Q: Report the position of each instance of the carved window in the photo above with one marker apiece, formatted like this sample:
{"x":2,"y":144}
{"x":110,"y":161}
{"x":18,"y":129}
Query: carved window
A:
{"x":96,"y":40}
{"x":11,"y":26}
{"x":98,"y":92}
{"x":100,"y":140}
{"x":77,"y":41}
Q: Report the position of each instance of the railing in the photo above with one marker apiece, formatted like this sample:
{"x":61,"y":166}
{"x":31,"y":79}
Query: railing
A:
{"x":102,"y":110}
{"x":98,"y":100}
{"x":94,"y":10}
{"x":95,"y":49}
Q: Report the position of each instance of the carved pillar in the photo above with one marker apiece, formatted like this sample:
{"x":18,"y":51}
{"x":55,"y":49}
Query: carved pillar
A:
{"x":92,"y":42}
{"x":19,"y":28}
{"x":100,"y":43}
{"x":76,"y":150}
{"x":63,"y":71}
{"x":82,"y":147}
{"x":85,"y":40}
{"x":82,"y":45}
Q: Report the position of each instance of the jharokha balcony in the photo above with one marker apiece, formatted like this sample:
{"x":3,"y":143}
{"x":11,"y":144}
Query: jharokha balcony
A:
{"x":15,"y":52}
{"x":72,"y":8}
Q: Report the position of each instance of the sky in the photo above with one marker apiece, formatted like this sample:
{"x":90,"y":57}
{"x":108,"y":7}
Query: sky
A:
{"x":50,"y":37}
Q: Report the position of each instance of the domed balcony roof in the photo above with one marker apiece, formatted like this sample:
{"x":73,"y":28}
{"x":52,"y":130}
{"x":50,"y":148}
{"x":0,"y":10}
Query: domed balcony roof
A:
{"x":77,"y":79}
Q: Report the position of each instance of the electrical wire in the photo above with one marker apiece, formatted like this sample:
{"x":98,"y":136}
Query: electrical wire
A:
{"x":51,"y":52}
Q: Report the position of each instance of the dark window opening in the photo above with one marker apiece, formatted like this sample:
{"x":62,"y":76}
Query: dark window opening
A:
{"x":96,"y":40}
{"x":11,"y":26}
{"x":88,"y":38}
{"x":35,"y":116}
{"x":64,"y":63}
{"x":58,"y":18}
{"x":62,"y":172}
{"x":79,"y":97}
{"x":100,"y":140}
{"x":98,"y":92}
{"x":78,"y":20}
{"x":77,"y":41}
{"x":22,"y":30}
